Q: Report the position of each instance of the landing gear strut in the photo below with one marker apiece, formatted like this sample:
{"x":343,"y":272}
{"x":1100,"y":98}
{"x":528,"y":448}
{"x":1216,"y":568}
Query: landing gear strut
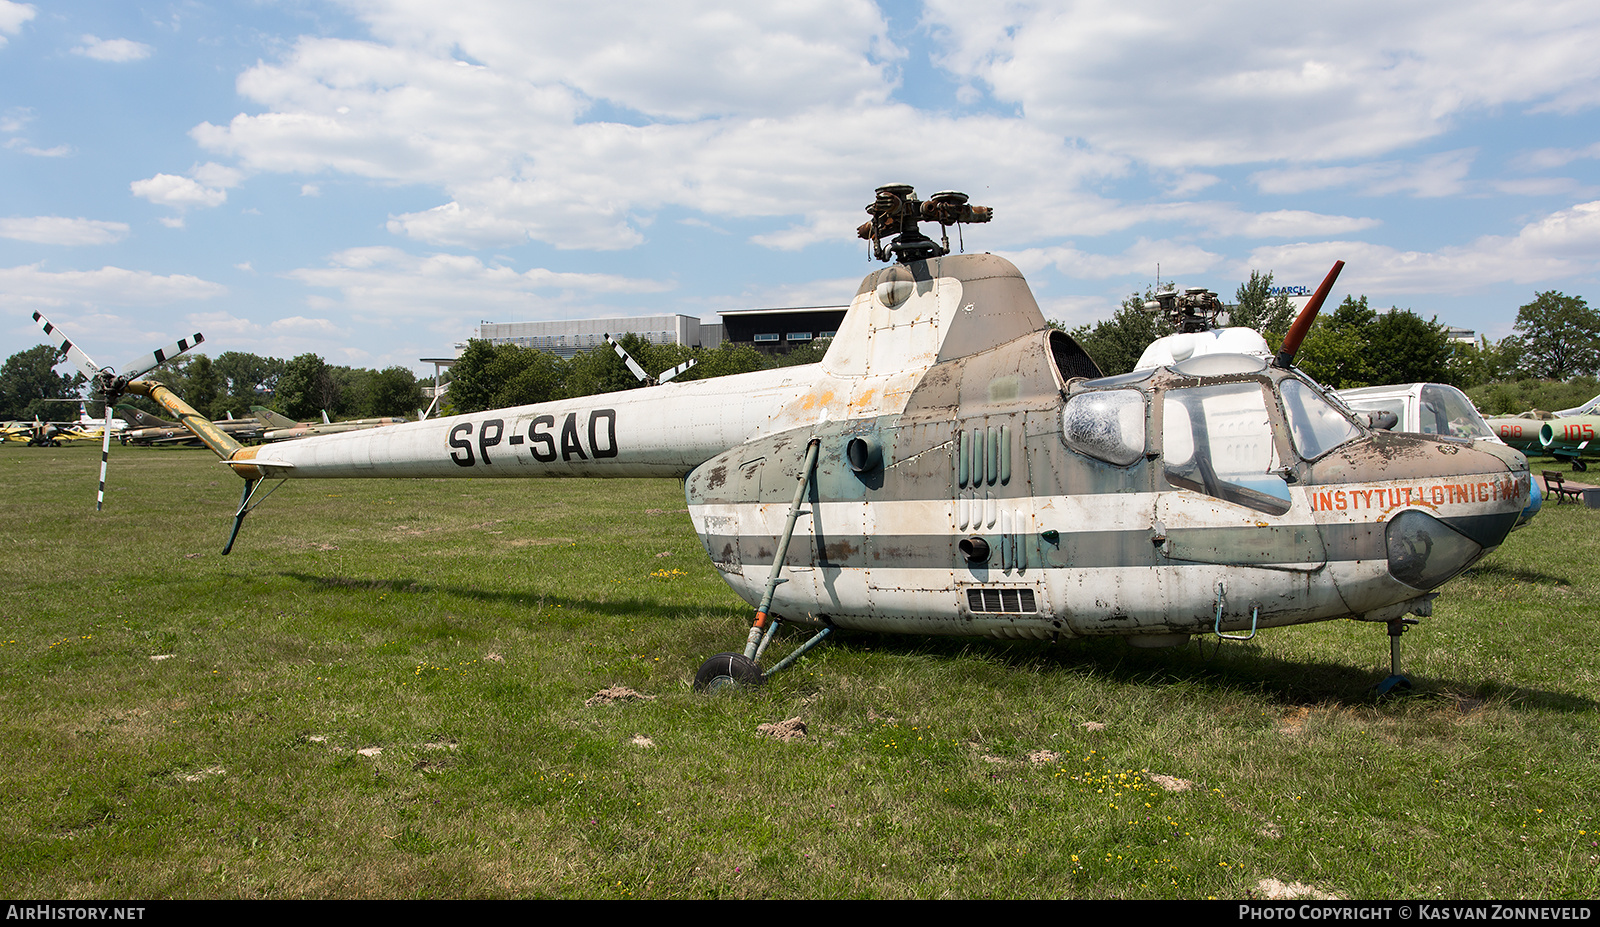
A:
{"x":1396,"y":682}
{"x":741,"y":669}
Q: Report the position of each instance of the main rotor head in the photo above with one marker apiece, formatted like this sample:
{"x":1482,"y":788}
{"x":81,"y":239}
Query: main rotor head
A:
{"x":1193,"y":310}
{"x":896,"y":211}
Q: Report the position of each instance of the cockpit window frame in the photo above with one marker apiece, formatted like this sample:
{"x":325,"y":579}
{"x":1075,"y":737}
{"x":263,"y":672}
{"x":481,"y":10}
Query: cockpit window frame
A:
{"x":1327,"y":396}
{"x":1276,"y":502}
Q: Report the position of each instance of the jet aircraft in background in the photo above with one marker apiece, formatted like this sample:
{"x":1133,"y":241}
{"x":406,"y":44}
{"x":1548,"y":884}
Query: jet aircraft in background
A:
{"x":1565,"y":437}
{"x":282,"y":428}
{"x":146,"y":429}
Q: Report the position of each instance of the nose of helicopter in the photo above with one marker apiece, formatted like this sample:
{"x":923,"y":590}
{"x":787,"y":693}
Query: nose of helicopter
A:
{"x":1472,"y":506}
{"x":1427,"y":507}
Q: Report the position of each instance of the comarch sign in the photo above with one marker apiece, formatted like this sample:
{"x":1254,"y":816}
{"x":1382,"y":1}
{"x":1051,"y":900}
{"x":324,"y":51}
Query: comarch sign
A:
{"x":1289,"y":291}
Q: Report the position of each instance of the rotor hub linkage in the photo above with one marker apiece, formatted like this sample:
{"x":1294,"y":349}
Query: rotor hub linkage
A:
{"x":896,"y":211}
{"x":1193,"y":310}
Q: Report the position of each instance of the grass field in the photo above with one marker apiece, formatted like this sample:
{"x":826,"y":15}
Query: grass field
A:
{"x":384,"y":692}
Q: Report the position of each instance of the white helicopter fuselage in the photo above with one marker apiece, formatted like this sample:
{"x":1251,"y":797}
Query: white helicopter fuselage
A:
{"x":975,"y":475}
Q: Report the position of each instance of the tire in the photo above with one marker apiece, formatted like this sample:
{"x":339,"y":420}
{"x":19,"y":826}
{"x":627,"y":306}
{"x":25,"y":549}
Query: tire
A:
{"x":727,"y":671}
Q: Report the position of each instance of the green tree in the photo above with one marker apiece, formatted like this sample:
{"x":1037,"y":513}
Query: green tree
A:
{"x":1475,"y":364}
{"x":306,"y":388}
{"x":352,"y":392}
{"x":29,"y":377}
{"x":471,"y":386}
{"x":1116,"y":343}
{"x":1256,"y":307}
{"x":1560,"y":336}
{"x":1337,"y":351}
{"x":395,"y":391}
{"x":725,"y":359}
{"x":203,"y":386}
{"x":600,"y":370}
{"x":1406,"y":348}
{"x":246,"y":379}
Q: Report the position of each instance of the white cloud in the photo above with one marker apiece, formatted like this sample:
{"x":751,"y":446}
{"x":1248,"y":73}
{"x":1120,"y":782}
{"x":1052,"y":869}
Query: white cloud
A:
{"x":1140,"y":258}
{"x":1442,"y":174}
{"x":16,"y":118}
{"x":1548,"y":158}
{"x":217,"y":176}
{"x":55,"y":230}
{"x":58,"y":151}
{"x":177,"y":192}
{"x":1560,"y":245}
{"x":1177,"y":83}
{"x":764,"y":114}
{"x":394,"y":284}
{"x":677,"y":60}
{"x":12,"y":16}
{"x":30,"y":284}
{"x":300,"y":325}
{"x":115,"y":50}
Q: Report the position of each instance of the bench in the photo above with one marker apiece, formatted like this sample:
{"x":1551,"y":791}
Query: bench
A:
{"x":1562,"y":488}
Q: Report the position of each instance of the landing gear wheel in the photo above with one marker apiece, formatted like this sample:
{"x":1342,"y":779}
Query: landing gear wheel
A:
{"x":727,"y":671}
{"x":1579,"y":465}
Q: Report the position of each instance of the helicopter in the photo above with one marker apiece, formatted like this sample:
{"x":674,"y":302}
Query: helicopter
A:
{"x":955,"y":466}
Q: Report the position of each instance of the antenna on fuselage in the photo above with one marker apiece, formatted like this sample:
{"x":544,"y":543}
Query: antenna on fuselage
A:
{"x":1302,"y":322}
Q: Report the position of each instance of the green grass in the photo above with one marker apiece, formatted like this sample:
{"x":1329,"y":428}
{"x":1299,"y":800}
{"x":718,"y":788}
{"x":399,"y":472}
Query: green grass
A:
{"x":459,"y":627}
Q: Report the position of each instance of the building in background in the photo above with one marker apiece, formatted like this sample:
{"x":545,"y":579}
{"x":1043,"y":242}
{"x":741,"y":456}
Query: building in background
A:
{"x":568,"y":337}
{"x":778,"y":331}
{"x":773,"y":331}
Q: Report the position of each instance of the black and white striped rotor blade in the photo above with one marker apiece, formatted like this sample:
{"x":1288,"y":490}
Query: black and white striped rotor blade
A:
{"x":105,"y":457}
{"x":627,"y":358}
{"x":63,"y":343}
{"x":677,"y":370}
{"x":140,"y":366}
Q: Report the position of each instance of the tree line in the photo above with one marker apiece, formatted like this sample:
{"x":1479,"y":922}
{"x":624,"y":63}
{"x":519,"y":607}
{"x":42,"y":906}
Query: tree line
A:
{"x":301,"y":388}
{"x":1551,"y":360}
{"x":498,"y":376}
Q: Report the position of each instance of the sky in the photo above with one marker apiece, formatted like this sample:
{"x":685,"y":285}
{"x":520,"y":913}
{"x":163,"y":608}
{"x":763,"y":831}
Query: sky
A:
{"x":369,"y":180}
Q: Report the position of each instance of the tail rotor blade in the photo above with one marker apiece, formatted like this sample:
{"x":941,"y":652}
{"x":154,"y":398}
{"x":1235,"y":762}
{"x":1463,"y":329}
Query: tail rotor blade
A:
{"x":105,"y":457}
{"x":109,"y":384}
{"x":633,"y":365}
{"x":140,"y":366}
{"x":678,"y":369}
{"x":63,"y":343}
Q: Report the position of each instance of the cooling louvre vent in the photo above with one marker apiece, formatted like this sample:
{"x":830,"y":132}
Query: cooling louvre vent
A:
{"x":1002,"y":601}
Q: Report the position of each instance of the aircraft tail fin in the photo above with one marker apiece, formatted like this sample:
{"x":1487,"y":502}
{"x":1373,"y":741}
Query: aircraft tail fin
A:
{"x":272,"y":419}
{"x":139,"y":418}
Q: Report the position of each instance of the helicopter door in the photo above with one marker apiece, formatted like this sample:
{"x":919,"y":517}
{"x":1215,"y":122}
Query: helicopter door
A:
{"x":1223,"y":444}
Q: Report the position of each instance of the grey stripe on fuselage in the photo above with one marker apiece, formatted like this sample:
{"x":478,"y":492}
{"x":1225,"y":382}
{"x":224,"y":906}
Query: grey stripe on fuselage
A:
{"x":1271,"y":545}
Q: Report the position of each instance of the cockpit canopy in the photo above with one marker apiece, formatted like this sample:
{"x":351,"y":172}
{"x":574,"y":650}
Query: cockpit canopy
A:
{"x":1217,"y":422}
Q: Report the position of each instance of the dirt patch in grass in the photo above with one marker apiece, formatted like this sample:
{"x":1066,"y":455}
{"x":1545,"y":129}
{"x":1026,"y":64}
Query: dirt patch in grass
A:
{"x":617,"y":694}
{"x":1275,"y":890}
{"x":1293,"y":723}
{"x":786,"y":731}
{"x":1172,"y":783}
